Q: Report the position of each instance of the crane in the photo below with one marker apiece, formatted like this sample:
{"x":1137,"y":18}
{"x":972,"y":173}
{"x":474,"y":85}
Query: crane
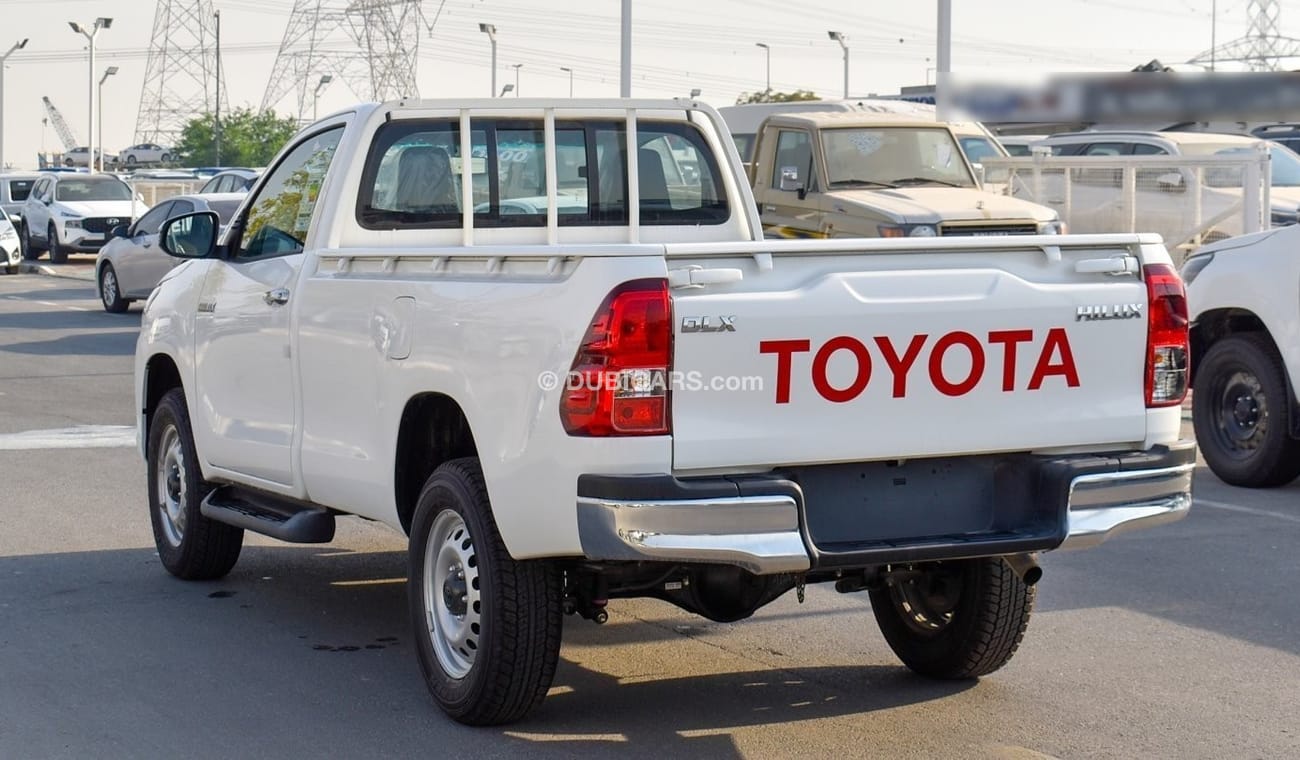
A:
{"x":60,"y":125}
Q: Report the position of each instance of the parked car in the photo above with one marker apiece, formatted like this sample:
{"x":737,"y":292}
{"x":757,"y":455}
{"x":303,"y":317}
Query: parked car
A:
{"x":145,"y":153}
{"x":547,"y":405}
{"x":1287,"y":134}
{"x":1245,"y":309}
{"x":14,"y":188}
{"x":131,"y":263}
{"x":81,"y":157}
{"x":1162,"y":202}
{"x":67,"y":213}
{"x":862,"y":174}
{"x":231,"y":181}
{"x":10,"y":247}
{"x":1019,"y":145}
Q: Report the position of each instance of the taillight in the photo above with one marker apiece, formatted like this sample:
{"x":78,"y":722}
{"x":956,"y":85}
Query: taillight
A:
{"x":1167,"y":340}
{"x":618,"y":384}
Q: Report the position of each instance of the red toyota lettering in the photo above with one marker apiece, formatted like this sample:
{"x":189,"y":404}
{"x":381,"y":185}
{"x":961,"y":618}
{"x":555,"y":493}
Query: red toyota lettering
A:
{"x":1057,"y":343}
{"x":941,"y":383}
{"x":900,"y":366}
{"x":822,"y":383}
{"x":1009,"y":340}
{"x":784,"y":349}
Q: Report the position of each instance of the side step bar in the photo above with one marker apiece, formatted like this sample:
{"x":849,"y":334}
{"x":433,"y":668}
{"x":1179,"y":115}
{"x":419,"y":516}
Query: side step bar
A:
{"x":270,"y":515}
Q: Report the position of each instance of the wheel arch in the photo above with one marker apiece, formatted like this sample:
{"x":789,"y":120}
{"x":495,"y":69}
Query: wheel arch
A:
{"x":160,"y":375}
{"x":433,"y":430}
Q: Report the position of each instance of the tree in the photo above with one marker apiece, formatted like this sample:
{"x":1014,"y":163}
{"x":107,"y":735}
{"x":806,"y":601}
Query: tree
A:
{"x":772,"y":96}
{"x":248,"y":138}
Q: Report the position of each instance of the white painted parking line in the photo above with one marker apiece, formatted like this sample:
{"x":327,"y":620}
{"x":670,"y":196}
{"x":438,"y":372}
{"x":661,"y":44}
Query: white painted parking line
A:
{"x":1245,"y":510}
{"x":78,"y":437}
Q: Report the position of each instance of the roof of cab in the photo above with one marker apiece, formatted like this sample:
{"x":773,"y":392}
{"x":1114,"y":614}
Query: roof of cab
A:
{"x":819,"y":119}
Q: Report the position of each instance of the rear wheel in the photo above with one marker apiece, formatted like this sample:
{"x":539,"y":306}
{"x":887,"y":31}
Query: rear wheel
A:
{"x":58,"y":254}
{"x":110,"y":292}
{"x":487,"y":627}
{"x":31,"y":251}
{"x":1239,"y":411}
{"x":954,"y":620}
{"x":190,"y":545}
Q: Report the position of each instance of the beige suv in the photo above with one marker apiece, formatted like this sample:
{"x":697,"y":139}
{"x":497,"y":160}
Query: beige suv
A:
{"x":877,"y":175}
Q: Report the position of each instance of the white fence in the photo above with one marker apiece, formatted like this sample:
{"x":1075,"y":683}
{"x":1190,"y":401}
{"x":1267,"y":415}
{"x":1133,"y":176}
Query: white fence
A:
{"x":1188,"y":200}
{"x":154,"y":191}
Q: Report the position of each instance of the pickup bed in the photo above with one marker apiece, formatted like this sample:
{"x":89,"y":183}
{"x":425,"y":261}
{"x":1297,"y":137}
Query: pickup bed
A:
{"x":571,"y":371}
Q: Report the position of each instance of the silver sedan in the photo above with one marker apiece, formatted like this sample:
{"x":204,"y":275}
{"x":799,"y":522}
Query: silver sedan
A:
{"x":130,"y":264}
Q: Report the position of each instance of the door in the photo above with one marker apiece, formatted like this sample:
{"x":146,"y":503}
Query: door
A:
{"x":244,"y":363}
{"x":36,"y":215}
{"x":792,"y":212}
{"x":141,"y":259}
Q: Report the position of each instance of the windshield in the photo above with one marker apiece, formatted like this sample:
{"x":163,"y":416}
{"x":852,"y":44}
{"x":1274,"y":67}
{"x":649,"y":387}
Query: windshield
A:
{"x":894,"y":155}
{"x":92,"y":190}
{"x":1286,"y":164}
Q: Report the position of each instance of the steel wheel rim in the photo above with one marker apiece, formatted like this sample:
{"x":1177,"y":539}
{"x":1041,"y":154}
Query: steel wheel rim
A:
{"x":928,"y":600}
{"x":108,"y":287}
{"x":1241,"y":412}
{"x":170,"y":479}
{"x":452,"y":601}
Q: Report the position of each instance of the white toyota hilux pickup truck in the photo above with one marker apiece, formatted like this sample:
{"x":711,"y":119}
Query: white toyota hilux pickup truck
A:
{"x":500,"y":328}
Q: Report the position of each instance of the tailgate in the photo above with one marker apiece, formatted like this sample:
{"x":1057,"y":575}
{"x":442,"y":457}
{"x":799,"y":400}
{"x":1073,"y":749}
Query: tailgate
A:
{"x":894,"y":355}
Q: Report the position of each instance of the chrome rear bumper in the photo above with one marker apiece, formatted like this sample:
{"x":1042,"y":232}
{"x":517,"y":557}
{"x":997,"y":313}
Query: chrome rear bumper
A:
{"x":761,"y":523}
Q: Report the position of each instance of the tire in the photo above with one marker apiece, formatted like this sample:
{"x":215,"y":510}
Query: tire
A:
{"x":1239,"y":411}
{"x":486,"y":660}
{"x":165,"y":158}
{"x":190,"y":545}
{"x":58,"y":254}
{"x":110,"y":293}
{"x":11,"y":269}
{"x":67,"y":162}
{"x":31,"y":251}
{"x":130,"y":160}
{"x":967,"y":617}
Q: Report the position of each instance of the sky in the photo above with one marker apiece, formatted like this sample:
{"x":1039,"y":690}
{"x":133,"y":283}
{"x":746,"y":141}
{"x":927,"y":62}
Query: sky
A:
{"x":678,"y":45}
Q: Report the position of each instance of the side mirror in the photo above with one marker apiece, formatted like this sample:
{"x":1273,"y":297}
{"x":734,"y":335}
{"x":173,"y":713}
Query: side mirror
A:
{"x":1171,"y":182}
{"x":120,"y":231}
{"x":790,"y":179}
{"x":192,"y":236}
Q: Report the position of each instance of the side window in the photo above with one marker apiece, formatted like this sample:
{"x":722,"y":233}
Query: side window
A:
{"x":210,"y":186}
{"x":1105,"y":149}
{"x":180,"y":207}
{"x":19,"y":189}
{"x":153,"y":219}
{"x":793,"y":156}
{"x":228,"y":183}
{"x":1142,"y":149}
{"x":278,"y":219}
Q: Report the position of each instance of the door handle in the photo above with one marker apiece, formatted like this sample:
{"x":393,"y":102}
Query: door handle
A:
{"x":276,"y":297}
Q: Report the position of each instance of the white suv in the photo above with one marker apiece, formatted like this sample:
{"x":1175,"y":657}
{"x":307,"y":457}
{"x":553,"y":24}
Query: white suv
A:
{"x":67,"y":213}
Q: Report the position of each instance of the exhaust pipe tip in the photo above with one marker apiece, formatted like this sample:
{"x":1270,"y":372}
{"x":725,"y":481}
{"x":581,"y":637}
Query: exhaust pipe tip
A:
{"x":1025,"y":566}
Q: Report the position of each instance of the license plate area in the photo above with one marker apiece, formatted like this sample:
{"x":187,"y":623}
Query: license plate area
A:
{"x":874,"y":505}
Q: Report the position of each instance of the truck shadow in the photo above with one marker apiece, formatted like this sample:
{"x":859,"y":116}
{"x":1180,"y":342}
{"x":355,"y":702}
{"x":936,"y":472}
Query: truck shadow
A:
{"x":68,"y":320}
{"x":117,"y":343}
{"x":324,"y":631}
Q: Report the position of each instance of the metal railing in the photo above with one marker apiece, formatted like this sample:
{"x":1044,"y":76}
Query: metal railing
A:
{"x":1188,"y":200}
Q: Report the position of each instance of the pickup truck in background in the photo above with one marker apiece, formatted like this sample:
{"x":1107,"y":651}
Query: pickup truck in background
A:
{"x":858,"y":174}
{"x":623,"y":390}
{"x":1244,"y":296}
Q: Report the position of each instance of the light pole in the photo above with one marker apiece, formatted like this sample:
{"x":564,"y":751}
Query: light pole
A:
{"x":517,"y":66}
{"x":90,"y":35}
{"x":3,"y":58}
{"x":840,"y":38}
{"x":566,"y":68}
{"x":108,"y":72}
{"x":491,"y":31}
{"x":216,"y":122}
{"x":767,"y":50}
{"x":506,"y":89}
{"x":320,"y":87}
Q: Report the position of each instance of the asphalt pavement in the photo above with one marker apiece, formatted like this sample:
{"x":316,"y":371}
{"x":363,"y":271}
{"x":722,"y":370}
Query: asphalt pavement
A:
{"x":1178,"y":642}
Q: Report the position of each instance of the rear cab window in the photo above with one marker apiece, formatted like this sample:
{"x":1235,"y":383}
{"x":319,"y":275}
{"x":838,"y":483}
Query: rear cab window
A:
{"x":412,"y":177}
{"x":19,"y":189}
